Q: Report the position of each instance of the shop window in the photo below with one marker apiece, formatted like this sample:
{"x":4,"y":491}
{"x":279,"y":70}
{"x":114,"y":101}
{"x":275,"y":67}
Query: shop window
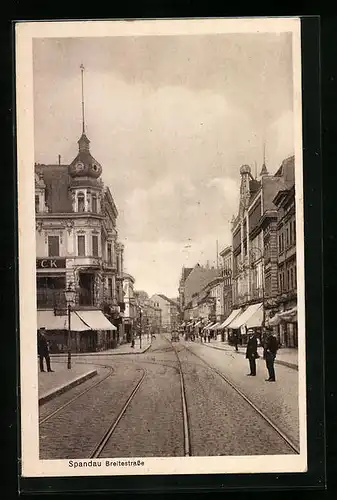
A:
{"x":80,"y":202}
{"x":95,"y":246}
{"x":37,"y":203}
{"x":81,"y":245}
{"x":94,"y":203}
{"x":53,"y":246}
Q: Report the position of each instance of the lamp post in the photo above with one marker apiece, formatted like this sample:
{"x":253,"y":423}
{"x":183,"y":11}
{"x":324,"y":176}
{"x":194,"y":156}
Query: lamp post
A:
{"x":70,"y":295}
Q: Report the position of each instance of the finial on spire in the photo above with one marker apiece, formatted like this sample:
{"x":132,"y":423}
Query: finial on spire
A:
{"x":83,"y":122}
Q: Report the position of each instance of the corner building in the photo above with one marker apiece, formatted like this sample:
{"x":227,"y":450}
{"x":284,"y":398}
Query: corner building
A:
{"x":77,"y":246}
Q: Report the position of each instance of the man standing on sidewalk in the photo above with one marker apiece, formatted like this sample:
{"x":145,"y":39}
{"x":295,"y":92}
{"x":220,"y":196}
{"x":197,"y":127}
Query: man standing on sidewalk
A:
{"x":43,"y":349}
{"x":270,"y":350}
{"x":251,"y":352}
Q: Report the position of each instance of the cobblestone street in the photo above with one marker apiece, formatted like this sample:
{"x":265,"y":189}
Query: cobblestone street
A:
{"x":220,"y":421}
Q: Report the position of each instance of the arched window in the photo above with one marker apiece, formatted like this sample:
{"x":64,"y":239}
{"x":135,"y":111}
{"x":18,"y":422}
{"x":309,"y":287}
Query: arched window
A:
{"x":80,"y":202}
{"x":94,"y":203}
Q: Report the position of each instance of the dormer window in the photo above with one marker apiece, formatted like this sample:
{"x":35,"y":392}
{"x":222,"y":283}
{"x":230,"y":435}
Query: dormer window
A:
{"x":94,"y":203}
{"x":80,"y":202}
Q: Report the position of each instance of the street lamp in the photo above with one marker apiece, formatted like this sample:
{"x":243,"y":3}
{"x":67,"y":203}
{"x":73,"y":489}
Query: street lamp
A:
{"x":70,"y":296}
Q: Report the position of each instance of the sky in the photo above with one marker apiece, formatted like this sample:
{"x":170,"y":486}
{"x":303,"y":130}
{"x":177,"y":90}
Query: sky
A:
{"x":171,"y":119}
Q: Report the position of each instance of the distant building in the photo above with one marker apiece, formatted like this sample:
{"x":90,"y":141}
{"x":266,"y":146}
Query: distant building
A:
{"x":148,"y":314}
{"x":194,"y":282}
{"x":169,"y":311}
{"x":184,"y":275}
{"x":130,"y":312}
{"x":227,"y":271}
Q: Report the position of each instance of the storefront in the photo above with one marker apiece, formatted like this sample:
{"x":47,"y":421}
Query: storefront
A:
{"x":251,"y":317}
{"x":284,"y":325}
{"x":90,"y":330}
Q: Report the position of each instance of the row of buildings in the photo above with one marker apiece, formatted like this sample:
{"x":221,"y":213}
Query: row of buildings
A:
{"x":256,"y":284}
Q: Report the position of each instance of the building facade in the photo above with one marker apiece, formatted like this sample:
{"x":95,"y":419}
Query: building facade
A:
{"x":130,"y":311}
{"x":254,"y":242}
{"x":77,"y":247}
{"x":285,"y":319}
{"x":169,"y":311}
{"x":226,"y":256}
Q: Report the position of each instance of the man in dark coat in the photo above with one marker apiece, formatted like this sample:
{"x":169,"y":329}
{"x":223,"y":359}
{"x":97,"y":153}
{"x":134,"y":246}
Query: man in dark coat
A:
{"x":251,"y":352}
{"x":270,"y":350}
{"x":43,"y":349}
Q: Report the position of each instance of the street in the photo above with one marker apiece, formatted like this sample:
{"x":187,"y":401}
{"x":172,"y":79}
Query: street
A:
{"x":218,"y":420}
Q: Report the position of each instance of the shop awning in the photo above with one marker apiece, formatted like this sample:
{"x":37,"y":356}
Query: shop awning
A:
{"x":215,"y":326}
{"x":80,"y":321}
{"x":183,"y":324}
{"x":289,"y":316}
{"x":207,"y":327}
{"x":199,"y":323}
{"x":96,"y":320}
{"x":230,"y":318}
{"x":251,"y":317}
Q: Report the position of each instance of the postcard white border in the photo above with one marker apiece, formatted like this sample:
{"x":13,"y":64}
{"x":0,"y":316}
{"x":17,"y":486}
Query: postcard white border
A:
{"x":25,"y":32}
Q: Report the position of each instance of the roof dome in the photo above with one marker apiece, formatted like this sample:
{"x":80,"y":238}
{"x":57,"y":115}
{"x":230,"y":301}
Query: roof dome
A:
{"x":245,"y":169}
{"x":84,"y":165}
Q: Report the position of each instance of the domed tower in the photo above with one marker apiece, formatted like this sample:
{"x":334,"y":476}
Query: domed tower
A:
{"x":85,"y":171}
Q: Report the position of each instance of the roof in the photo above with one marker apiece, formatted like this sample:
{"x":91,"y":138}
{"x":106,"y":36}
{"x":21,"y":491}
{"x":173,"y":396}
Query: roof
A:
{"x":57,"y":181}
{"x":198,"y":279}
{"x":167,"y":299}
{"x":186,"y":272}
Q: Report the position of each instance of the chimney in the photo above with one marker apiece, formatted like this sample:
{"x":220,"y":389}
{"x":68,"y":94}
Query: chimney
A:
{"x":59,"y":159}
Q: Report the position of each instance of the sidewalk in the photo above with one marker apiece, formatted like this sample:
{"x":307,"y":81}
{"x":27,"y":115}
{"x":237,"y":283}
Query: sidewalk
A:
{"x":285,"y":356}
{"x":119,"y":350}
{"x":54,"y":384}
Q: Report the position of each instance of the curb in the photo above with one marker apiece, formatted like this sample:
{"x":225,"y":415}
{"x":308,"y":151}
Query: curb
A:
{"x":100,"y":353}
{"x":277,"y":361}
{"x":64,"y":388}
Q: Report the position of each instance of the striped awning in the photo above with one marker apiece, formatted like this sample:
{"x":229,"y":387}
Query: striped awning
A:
{"x":230,"y":318}
{"x":215,"y":327}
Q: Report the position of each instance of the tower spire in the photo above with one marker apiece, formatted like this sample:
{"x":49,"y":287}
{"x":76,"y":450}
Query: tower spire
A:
{"x":82,"y":78}
{"x":264,"y":170}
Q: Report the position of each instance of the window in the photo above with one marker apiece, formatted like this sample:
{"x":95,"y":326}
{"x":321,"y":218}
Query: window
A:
{"x":95,"y":246}
{"x":80,"y":202}
{"x":53,"y":246}
{"x":94,"y":203}
{"x":288,"y":279}
{"x":109,"y":254}
{"x":81,"y":246}
{"x":295,"y":276}
{"x":110,"y":287}
{"x":287,"y":237}
{"x":37,"y":203}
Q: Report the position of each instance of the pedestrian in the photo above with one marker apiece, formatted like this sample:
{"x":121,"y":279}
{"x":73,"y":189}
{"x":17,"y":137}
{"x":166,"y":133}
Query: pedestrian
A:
{"x":270,"y":350}
{"x":236,"y":341}
{"x":251,"y":352}
{"x":43,"y":349}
